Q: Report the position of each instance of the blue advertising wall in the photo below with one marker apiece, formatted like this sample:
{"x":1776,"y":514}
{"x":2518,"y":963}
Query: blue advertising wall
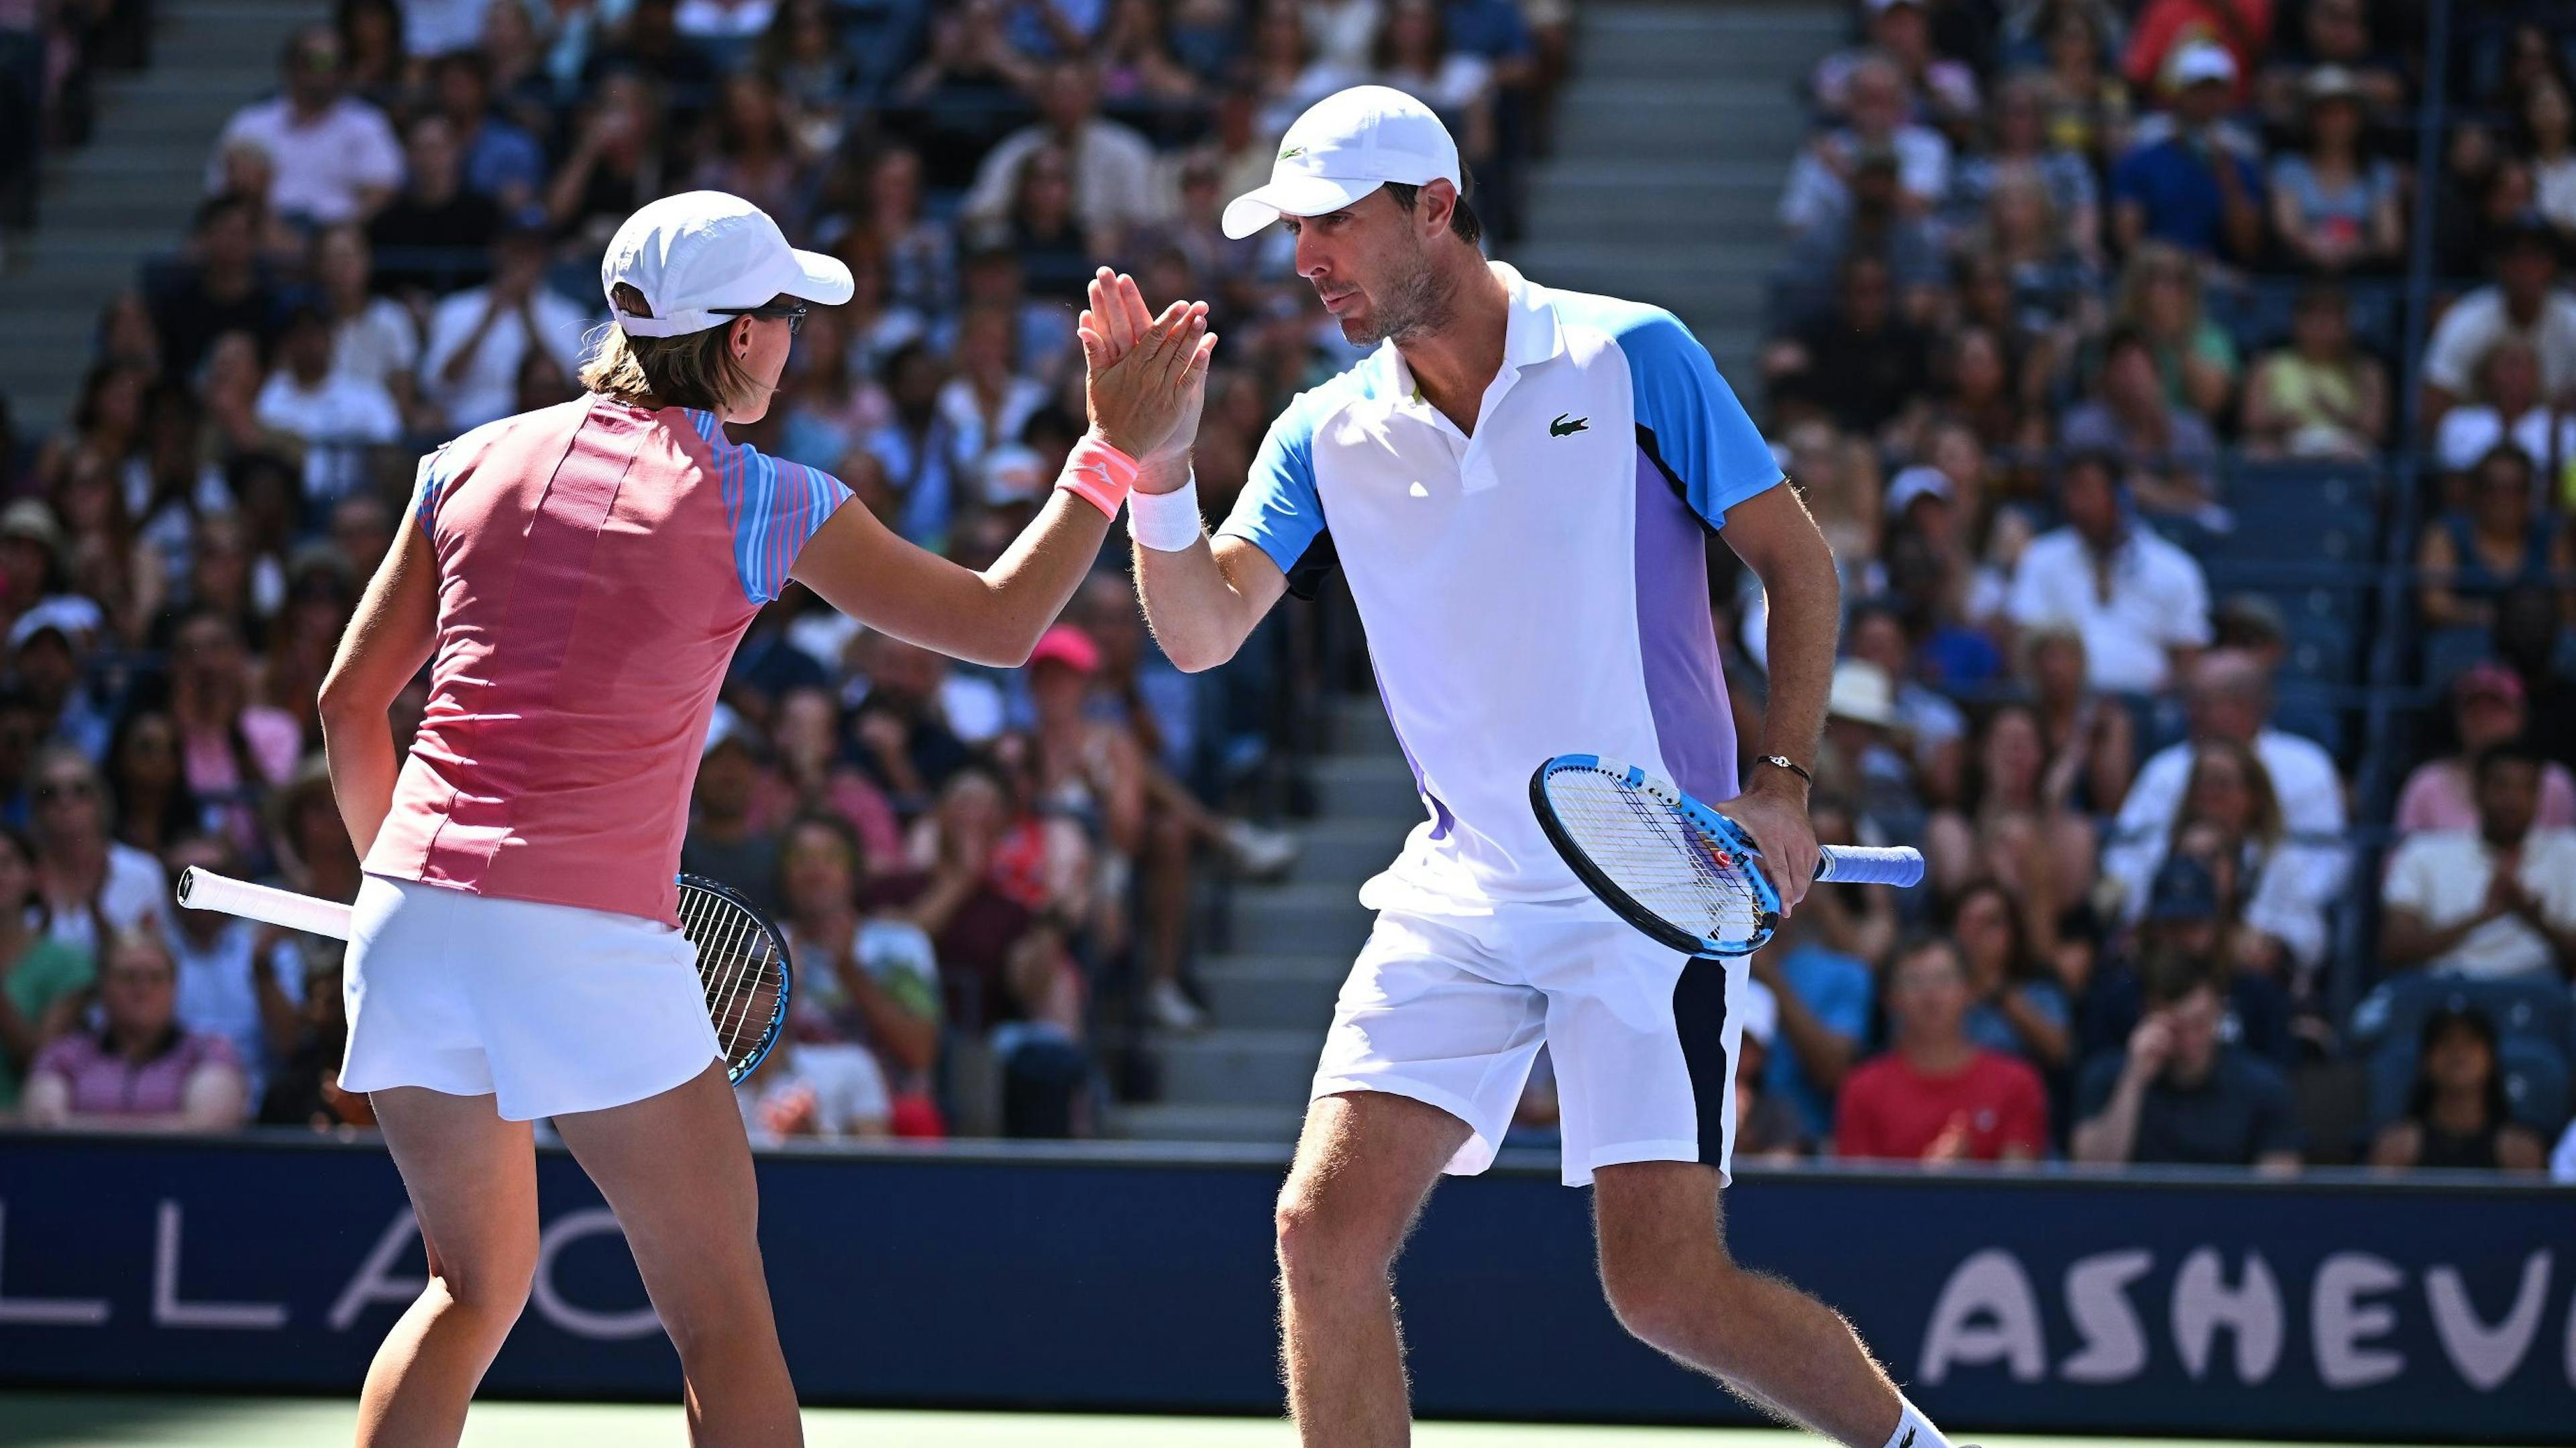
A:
{"x":1119,"y":1278}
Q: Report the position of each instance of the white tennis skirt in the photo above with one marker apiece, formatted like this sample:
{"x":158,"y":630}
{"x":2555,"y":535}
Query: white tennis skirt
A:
{"x":549,"y":1009}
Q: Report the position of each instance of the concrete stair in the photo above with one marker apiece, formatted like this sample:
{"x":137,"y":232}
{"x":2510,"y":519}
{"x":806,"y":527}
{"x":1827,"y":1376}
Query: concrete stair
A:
{"x":1271,"y":995}
{"x":1673,"y":142}
{"x":127,"y":195}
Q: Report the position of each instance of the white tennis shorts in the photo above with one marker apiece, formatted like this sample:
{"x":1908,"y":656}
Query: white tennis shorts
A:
{"x":1451,"y":1009}
{"x":549,"y":1009}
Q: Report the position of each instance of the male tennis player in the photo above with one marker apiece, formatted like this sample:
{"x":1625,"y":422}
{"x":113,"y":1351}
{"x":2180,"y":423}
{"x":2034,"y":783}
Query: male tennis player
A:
{"x":582,"y":574}
{"x":1517,"y":485}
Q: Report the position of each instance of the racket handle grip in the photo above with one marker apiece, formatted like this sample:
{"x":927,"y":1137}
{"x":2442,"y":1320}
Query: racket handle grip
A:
{"x":1864,"y":865}
{"x":206,"y":890}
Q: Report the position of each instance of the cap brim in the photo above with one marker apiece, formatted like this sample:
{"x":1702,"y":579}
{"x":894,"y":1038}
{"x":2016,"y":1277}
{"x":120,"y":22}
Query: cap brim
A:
{"x":825,"y":279}
{"x":1289,"y":196}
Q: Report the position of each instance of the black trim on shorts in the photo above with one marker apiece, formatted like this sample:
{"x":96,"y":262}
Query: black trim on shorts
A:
{"x":1699,"y":1018}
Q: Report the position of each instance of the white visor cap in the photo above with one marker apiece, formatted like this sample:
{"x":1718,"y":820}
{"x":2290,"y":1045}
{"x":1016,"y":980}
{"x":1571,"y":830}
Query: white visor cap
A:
{"x":699,"y":256}
{"x":1347,"y":145}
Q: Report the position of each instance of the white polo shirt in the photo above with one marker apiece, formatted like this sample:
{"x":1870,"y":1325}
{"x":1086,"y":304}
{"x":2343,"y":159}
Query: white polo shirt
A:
{"x":1537,"y":588}
{"x":2158,"y":600}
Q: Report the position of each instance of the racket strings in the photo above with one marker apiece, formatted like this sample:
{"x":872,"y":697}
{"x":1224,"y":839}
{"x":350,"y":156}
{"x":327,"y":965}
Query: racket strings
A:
{"x":739,"y":966}
{"x":1657,"y":855}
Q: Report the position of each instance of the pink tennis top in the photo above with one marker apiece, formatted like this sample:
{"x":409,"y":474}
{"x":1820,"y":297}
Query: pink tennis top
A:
{"x":597,"y":564}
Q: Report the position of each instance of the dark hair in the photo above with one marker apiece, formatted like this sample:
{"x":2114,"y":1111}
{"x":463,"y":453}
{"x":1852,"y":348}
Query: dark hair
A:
{"x":2172,"y":976}
{"x":2019,"y":962}
{"x":1463,"y":221}
{"x":2102,"y":459}
{"x":2124,"y":335}
{"x":841,"y":830}
{"x":1919,"y":941}
{"x":216,"y":207}
{"x":470,"y":62}
{"x":2419,"y":1102}
{"x":2508,"y":451}
{"x":2520,"y":749}
{"x":2323,"y":296}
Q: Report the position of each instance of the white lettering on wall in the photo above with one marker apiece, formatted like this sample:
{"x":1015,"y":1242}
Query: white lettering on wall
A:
{"x":169,"y":1311}
{"x":2203,"y":1303}
{"x":87,"y":1311}
{"x":2486,"y":1356}
{"x":374,"y":1280}
{"x":581,"y":1321}
{"x":1986,"y":1313}
{"x":2097,"y":1297}
{"x":2341,"y":1322}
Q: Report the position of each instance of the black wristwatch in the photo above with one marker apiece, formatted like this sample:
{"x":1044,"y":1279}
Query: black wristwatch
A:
{"x":1782,"y":761}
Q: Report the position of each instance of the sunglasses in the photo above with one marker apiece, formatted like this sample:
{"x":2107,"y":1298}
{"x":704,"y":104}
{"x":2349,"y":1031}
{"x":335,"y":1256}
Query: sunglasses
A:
{"x":792,"y":312}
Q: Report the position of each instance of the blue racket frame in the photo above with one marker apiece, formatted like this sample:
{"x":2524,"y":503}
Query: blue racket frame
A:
{"x":1730,"y":849}
{"x":786,"y":970}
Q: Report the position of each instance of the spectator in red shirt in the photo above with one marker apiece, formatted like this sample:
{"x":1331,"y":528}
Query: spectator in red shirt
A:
{"x":1938,"y":1097}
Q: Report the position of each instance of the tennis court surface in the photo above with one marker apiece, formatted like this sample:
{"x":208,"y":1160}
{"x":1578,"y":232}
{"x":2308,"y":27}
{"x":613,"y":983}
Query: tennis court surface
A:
{"x":152,"y":1421}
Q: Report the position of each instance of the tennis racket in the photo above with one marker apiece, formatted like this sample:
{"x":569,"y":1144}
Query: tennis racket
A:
{"x":742,"y":958}
{"x":1673,"y":867}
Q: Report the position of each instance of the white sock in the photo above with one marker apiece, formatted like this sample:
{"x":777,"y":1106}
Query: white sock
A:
{"x":1913,"y":1430}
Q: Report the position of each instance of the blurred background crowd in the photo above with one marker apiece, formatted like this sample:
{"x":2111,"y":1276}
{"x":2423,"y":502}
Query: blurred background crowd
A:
{"x":2188,"y":388}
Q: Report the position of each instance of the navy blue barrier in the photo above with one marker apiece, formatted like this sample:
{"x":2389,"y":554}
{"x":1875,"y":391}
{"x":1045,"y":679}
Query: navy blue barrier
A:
{"x":1081,"y":1278}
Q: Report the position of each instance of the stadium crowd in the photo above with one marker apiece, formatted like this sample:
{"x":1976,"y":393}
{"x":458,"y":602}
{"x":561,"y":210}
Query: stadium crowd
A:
{"x":2088,"y":351}
{"x":2088,"y":355}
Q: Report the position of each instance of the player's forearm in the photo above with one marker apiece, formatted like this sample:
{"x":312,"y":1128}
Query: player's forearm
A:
{"x":359,"y":750}
{"x":1805,"y":617}
{"x":1036,"y":577}
{"x":1198,"y":613}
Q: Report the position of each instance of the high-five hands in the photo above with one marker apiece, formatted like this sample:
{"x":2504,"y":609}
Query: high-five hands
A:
{"x":1147,"y":375}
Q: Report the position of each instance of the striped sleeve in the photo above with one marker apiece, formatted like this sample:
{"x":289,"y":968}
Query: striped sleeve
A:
{"x":427,"y":483}
{"x":774,"y":506}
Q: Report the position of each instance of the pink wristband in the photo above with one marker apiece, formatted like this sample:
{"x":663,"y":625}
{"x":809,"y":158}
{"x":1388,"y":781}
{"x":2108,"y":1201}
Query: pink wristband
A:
{"x":1098,"y":474}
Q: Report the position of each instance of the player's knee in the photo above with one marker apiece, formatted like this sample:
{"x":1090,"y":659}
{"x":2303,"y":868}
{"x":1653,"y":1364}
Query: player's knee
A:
{"x":1324,"y":1236}
{"x":1677,"y":1312}
{"x":489,"y":1294}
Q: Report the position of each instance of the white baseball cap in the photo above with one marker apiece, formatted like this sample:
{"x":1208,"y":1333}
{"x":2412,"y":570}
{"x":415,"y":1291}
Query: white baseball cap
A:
{"x":2198,"y":61}
{"x":1919,"y":481}
{"x":700,"y":255}
{"x":1347,"y":145}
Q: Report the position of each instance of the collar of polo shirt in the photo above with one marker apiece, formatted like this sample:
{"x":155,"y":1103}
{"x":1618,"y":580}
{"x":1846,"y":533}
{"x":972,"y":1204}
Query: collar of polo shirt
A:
{"x":1530,"y":336}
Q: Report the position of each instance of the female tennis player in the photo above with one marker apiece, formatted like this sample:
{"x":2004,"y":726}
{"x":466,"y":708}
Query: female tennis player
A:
{"x":581,"y":575}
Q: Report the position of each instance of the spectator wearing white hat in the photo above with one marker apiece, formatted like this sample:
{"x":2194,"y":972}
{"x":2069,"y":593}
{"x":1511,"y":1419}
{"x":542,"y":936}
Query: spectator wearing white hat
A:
{"x":2189,"y":187}
{"x":1866,"y":759}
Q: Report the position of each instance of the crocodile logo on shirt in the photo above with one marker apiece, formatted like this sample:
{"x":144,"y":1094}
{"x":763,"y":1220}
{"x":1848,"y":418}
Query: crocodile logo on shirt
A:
{"x":1292,"y":153}
{"x":1563,"y":428}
